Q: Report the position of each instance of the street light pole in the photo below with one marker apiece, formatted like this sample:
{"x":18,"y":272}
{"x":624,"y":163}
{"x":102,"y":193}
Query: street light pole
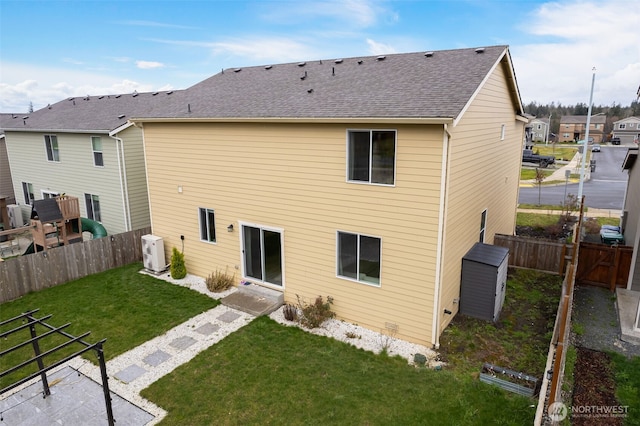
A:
{"x":546,"y":137}
{"x":586,"y":138}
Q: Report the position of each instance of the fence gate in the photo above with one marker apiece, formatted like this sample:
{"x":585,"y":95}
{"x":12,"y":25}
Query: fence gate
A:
{"x":603,"y":265}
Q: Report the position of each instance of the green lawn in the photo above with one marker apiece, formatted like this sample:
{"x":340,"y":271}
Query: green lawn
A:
{"x":627,"y":378}
{"x":267,"y":373}
{"x":123,"y":306}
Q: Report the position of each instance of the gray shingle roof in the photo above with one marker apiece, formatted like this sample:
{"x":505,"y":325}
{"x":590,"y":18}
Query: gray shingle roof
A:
{"x":582,"y":119}
{"x":89,"y":113}
{"x":409,"y":85}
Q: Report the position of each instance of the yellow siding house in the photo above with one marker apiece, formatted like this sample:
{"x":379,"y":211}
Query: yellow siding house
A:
{"x":365,"y":179}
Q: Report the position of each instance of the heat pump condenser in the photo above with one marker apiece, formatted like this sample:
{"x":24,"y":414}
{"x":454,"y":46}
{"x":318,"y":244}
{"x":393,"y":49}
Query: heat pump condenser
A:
{"x":153,"y":253}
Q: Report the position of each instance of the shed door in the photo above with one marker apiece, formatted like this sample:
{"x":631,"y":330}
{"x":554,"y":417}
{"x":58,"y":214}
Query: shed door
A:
{"x":501,"y":287}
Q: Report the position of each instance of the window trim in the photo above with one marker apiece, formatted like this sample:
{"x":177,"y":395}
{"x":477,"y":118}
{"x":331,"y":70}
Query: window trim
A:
{"x":92,"y":216}
{"x":395,"y":156}
{"x":357,"y":280}
{"x":215,"y":233}
{"x":53,"y":155}
{"x":93,"y":150}
{"x":28,"y":194}
{"x":483,"y":225}
{"x":503,"y":131}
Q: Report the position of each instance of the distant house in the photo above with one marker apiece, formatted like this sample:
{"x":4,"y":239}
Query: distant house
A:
{"x":627,"y":129}
{"x":539,"y":129}
{"x":631,"y":215}
{"x":84,"y":147}
{"x":366,"y":179}
{"x":574,"y":127}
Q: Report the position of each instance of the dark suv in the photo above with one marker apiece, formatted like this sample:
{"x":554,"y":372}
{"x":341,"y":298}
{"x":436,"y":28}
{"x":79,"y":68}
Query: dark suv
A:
{"x":615,"y":141}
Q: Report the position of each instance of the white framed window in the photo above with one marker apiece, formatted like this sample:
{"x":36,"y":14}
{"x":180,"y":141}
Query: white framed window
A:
{"x":503,"y":129}
{"x":622,"y":126}
{"x":207,"y":225}
{"x":483,"y":225}
{"x":96,"y":147}
{"x":51,"y":146}
{"x":263,"y":254}
{"x":49,"y":194}
{"x":539,"y":126}
{"x":92,"y":202}
{"x":359,"y":257}
{"x":27,"y":191}
{"x":371,"y":156}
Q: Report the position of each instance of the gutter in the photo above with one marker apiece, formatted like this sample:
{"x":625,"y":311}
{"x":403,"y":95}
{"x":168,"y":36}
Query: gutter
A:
{"x":122,"y":175}
{"x":321,"y":120}
{"x":435,"y":328}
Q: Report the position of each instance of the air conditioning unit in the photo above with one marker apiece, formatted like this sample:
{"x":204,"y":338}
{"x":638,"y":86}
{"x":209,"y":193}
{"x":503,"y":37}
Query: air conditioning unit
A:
{"x":15,"y":216}
{"x":153,"y":253}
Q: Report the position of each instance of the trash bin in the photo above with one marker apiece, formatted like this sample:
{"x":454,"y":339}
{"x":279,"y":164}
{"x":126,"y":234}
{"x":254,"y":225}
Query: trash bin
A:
{"x":593,"y":165}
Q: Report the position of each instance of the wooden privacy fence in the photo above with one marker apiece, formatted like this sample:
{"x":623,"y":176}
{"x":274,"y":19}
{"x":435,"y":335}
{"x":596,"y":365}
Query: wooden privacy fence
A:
{"x":532,"y":253}
{"x":603,"y":265}
{"x":33,"y":272}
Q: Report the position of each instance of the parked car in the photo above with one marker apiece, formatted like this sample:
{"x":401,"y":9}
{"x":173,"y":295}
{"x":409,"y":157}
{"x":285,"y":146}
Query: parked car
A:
{"x":542,"y":160}
{"x":615,"y":141}
{"x":595,"y":148}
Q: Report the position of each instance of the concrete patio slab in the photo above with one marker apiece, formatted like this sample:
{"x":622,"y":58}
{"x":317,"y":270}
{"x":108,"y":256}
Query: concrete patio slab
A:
{"x":627,"y":303}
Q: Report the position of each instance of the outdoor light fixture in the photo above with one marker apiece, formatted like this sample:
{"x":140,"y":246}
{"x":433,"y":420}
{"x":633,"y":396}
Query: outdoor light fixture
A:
{"x":448,"y":312}
{"x":230,"y":228}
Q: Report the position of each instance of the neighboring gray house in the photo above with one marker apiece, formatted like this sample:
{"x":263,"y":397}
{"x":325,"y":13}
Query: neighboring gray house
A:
{"x":85,"y":147}
{"x":539,"y":129}
{"x":631,"y":216}
{"x":627,"y":129}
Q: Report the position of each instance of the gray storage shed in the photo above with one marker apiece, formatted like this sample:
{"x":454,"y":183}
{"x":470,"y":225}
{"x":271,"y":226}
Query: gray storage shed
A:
{"x":484,"y":281}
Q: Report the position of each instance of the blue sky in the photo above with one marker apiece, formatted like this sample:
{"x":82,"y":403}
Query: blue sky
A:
{"x":50,"y":50}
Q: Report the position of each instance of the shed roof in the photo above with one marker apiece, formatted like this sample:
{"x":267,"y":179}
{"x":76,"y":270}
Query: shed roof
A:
{"x":408,"y":85}
{"x":487,"y":254}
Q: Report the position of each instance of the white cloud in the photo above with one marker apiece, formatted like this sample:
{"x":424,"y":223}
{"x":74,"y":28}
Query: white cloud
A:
{"x":359,"y":13}
{"x":146,"y":65}
{"x":23,"y":84}
{"x":376,"y":48}
{"x":264,"y":49}
{"x":601,"y":35}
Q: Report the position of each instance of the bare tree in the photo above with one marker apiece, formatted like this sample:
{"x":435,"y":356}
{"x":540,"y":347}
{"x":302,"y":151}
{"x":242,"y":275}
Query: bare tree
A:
{"x":539,"y":178}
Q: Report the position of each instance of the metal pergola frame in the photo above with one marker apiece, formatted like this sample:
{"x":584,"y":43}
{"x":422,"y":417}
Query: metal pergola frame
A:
{"x":39,"y":355}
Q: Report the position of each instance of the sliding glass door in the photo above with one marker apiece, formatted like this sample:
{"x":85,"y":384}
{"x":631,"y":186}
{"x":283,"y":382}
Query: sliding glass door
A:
{"x":262,"y":254}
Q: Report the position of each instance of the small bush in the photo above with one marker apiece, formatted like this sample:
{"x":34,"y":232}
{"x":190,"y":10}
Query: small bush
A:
{"x":178,"y":268}
{"x":219,"y":281}
{"x":313,"y":315}
{"x":591,"y":226}
{"x":290,"y":312}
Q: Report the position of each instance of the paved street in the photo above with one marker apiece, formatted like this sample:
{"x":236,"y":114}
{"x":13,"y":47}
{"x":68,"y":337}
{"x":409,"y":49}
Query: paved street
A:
{"x":603,"y":189}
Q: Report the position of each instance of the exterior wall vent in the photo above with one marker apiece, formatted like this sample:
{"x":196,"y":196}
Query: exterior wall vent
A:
{"x":480,"y":50}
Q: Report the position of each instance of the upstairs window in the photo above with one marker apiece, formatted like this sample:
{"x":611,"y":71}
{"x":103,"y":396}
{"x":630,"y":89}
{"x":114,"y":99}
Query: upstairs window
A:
{"x":96,"y":146}
{"x":207,"y":225}
{"x":51,"y":146}
{"x":622,"y":126}
{"x":371,"y":156}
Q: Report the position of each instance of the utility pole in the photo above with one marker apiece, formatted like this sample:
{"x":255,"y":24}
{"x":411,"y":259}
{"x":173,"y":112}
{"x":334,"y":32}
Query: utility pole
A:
{"x":585,"y":145}
{"x":546,"y":137}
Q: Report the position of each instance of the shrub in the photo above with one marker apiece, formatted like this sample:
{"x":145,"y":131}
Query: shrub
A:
{"x":178,"y":268}
{"x":219,"y":281}
{"x":591,"y":226}
{"x":313,"y":315}
{"x":290,"y":312}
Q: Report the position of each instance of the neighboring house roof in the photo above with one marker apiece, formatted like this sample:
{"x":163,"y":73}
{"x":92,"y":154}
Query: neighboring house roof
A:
{"x":628,"y":119}
{"x":582,"y":119}
{"x":89,"y":113}
{"x":436,"y":84}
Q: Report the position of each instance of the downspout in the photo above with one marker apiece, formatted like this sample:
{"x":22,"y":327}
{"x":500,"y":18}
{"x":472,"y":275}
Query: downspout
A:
{"x":435,"y":330}
{"x":122,"y":174}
